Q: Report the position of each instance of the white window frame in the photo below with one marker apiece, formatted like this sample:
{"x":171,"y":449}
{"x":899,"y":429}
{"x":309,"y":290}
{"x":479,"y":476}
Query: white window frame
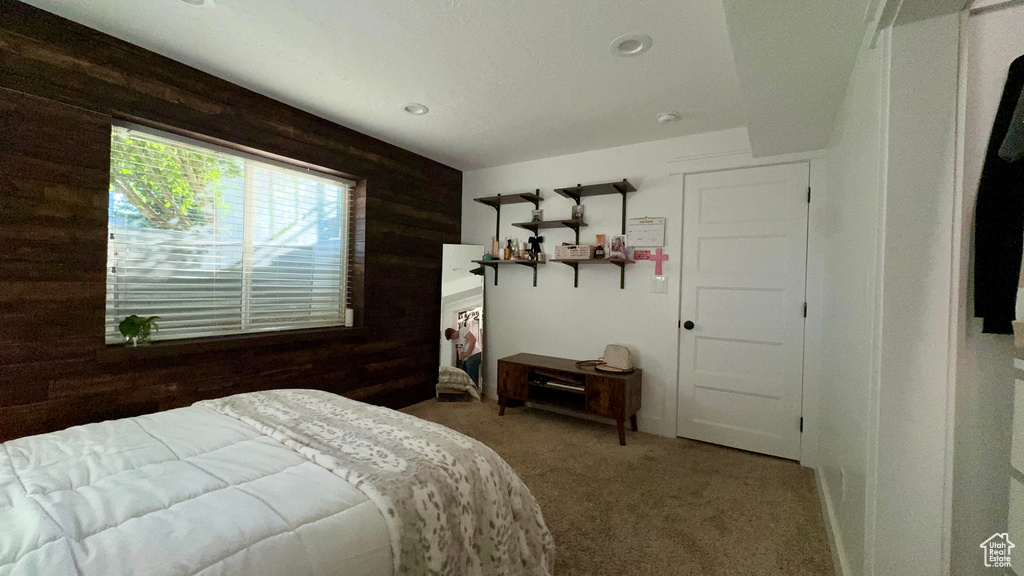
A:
{"x":252,"y":163}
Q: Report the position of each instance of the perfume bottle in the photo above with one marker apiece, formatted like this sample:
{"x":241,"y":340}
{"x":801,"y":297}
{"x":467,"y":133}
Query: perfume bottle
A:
{"x":508,"y":250}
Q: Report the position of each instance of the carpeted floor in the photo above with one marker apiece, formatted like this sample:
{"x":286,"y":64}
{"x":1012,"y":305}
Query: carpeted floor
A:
{"x":658,"y":506}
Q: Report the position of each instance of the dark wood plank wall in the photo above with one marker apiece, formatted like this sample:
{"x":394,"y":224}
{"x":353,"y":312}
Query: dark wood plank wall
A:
{"x":61,"y":85}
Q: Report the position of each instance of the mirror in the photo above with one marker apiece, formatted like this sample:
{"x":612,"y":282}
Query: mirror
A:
{"x":462,"y":320}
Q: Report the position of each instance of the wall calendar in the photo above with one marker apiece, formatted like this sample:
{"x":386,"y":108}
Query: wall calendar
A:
{"x":646,"y":231}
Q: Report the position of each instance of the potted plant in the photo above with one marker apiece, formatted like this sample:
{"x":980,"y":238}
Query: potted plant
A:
{"x":136,"y":330}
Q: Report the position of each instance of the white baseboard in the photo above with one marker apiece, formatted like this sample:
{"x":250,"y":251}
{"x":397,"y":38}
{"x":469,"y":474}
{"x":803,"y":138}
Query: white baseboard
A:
{"x":831,"y":526}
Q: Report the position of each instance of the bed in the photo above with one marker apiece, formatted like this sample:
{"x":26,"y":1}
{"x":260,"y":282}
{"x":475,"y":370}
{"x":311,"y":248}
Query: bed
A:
{"x":295,"y":482}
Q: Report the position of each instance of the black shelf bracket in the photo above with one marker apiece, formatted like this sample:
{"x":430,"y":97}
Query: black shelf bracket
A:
{"x":494,"y":265}
{"x":531,"y":264}
{"x":622,"y":274}
{"x":577,"y":195}
{"x":623,"y":211}
{"x":575,"y":265}
{"x":485,"y":264}
{"x":575,"y":273}
{"x":534,"y":199}
{"x":497,"y":231}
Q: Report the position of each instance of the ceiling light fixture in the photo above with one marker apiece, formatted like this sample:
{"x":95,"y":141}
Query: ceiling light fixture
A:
{"x":416,"y":109}
{"x":197,"y":2}
{"x":631,"y":45}
{"x":668,"y":117}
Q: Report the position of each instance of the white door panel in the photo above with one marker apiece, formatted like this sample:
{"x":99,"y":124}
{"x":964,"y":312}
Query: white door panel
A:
{"x":744,"y":261}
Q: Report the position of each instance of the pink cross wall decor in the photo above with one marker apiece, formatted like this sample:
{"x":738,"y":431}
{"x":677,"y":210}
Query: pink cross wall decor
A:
{"x":657,"y":257}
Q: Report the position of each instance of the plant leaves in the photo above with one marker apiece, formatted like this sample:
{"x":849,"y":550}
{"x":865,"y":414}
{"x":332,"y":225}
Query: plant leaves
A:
{"x":129,"y":327}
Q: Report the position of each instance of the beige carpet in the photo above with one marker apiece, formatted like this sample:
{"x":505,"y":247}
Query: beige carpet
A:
{"x":658,"y":506}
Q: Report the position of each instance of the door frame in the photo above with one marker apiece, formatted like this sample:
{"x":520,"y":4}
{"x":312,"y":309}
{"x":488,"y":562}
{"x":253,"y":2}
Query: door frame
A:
{"x":819,"y":213}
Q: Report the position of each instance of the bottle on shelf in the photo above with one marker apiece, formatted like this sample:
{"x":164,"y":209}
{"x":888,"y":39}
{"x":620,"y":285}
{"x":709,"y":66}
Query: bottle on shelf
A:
{"x":508,"y":250}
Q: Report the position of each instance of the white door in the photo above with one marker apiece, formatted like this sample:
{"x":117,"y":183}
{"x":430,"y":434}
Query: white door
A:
{"x":744,"y":261}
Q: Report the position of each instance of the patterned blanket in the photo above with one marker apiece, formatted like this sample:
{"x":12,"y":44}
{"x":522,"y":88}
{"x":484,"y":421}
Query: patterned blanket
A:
{"x":452,"y":505}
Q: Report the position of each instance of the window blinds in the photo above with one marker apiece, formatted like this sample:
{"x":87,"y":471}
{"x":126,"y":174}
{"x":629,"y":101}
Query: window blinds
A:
{"x":215,"y":242}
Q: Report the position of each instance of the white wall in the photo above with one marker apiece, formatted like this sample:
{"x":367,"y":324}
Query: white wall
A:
{"x":556,"y":319}
{"x":852,"y":221}
{"x":984,"y":392}
{"x":912,"y":491}
{"x":890,"y":297}
{"x":881,"y":290}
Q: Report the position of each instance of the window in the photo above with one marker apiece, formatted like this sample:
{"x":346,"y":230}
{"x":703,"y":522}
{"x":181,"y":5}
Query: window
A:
{"x":216,"y":242}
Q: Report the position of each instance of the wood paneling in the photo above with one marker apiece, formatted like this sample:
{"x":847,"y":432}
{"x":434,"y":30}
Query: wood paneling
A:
{"x":61,"y":86}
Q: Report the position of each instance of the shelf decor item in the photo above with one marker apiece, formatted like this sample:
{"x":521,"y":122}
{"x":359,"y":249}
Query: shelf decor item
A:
{"x":619,"y":247}
{"x":536,"y":215}
{"x":577,"y":212}
{"x":574,"y":252}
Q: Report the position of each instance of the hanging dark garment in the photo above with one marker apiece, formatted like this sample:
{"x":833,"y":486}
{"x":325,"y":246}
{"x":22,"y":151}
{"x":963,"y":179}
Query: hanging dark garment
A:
{"x":1012,"y":149}
{"x":999,"y":218}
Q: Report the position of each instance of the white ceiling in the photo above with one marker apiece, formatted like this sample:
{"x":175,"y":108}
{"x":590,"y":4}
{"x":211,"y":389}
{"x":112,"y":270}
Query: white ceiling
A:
{"x":915,"y":10}
{"x":794,"y":59}
{"x":505,"y":80}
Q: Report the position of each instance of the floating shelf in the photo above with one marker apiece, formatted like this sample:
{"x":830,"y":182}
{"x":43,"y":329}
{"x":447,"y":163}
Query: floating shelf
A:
{"x":495,"y":263}
{"x":500,"y":200}
{"x":574,"y":193}
{"x":570,"y":224}
{"x":575,"y":263}
{"x":498,"y":262}
{"x":579,"y":191}
{"x":503,"y":199}
{"x":571,"y":261}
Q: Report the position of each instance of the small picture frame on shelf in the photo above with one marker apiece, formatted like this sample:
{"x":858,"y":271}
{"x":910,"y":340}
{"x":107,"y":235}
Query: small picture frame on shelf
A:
{"x":536,"y":215}
{"x":619,"y":247}
{"x":577,"y":212}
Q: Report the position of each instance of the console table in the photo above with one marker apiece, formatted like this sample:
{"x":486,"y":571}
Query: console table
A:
{"x":550,"y":381}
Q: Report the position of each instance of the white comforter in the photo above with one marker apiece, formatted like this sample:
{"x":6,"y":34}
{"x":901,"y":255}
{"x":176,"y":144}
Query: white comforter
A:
{"x":183,"y":492}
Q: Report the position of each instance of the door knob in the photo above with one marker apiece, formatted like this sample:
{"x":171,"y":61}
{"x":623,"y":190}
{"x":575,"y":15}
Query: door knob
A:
{"x":688,"y":325}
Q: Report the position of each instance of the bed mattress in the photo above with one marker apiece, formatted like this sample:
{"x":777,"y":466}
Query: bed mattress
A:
{"x":183,"y":492}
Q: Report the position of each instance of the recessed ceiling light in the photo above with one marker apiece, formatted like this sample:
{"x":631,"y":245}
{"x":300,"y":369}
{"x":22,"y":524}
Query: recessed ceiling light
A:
{"x":668,"y":117}
{"x":631,"y":45}
{"x":197,"y":2}
{"x":416,"y":109}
